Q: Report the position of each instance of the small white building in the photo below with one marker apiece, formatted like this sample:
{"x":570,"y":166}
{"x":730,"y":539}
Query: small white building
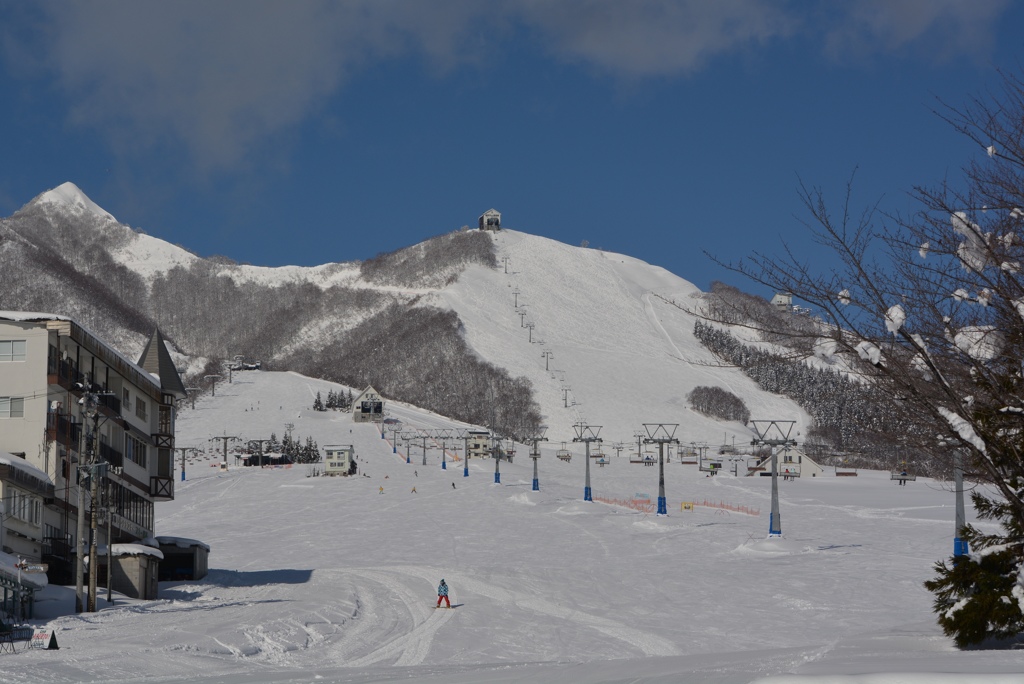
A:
{"x":368,"y":407}
{"x":783,"y":301}
{"x":791,"y":463}
{"x":490,"y":220}
{"x":478,"y":444}
{"x":339,"y":459}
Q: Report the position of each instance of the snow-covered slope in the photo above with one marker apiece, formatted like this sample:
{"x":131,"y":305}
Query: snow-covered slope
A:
{"x":330,"y":580}
{"x":604,"y":338}
{"x":611,"y":342}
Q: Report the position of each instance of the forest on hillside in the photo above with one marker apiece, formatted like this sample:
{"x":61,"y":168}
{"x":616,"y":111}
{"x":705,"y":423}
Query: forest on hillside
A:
{"x":374,"y":332}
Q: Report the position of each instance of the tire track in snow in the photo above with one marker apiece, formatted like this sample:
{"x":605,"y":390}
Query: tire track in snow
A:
{"x":648,"y":644}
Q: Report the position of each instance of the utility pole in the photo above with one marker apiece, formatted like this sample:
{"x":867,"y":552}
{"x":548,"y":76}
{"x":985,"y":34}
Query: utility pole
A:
{"x":547,"y":357}
{"x":565,"y":397}
{"x":214,"y":378}
{"x":530,"y":326}
{"x":587,"y":434}
{"x":424,"y":447}
{"x":661,"y":434}
{"x":192,"y":391}
{"x":522,"y":315}
{"x":516,"y":293}
{"x":505,"y":261}
{"x":774,"y":434}
{"x":96,"y":470}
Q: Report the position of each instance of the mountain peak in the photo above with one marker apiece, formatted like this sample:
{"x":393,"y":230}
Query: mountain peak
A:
{"x":71,"y":197}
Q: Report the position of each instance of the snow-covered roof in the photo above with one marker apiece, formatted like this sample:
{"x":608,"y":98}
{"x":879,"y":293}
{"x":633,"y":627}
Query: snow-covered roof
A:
{"x":28,"y":316}
{"x":181,"y":542}
{"x":135,"y":550}
{"x":24,"y":466}
{"x":31,"y":316}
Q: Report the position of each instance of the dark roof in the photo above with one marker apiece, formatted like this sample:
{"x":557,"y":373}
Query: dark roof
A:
{"x":157,"y":360}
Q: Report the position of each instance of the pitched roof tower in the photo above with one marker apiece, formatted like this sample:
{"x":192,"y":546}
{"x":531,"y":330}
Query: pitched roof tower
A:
{"x":157,"y":361}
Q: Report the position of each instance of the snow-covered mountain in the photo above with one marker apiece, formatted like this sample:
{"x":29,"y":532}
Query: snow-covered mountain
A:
{"x":602,"y":338}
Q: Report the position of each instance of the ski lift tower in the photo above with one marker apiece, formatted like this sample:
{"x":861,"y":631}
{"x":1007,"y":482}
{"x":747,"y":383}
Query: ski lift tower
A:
{"x":463,"y":434}
{"x":774,"y":434}
{"x":496,"y":455}
{"x":661,"y":434}
{"x":587,"y":434}
{"x":960,"y":545}
{"x":444,"y":434}
{"x":536,"y":439}
{"x":395,"y":428}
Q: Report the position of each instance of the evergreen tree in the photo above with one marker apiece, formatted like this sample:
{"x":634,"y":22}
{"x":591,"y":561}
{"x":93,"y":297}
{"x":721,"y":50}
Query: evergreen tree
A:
{"x":318,"y":404}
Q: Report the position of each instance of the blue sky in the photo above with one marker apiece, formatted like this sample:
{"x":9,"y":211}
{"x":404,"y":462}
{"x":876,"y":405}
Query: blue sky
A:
{"x":306,"y":132}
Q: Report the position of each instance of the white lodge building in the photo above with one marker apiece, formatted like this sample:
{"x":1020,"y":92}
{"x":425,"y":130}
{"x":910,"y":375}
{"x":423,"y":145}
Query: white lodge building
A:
{"x":48,"y":364}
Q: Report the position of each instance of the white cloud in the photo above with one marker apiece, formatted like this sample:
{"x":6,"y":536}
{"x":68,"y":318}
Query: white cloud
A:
{"x":218,"y":79}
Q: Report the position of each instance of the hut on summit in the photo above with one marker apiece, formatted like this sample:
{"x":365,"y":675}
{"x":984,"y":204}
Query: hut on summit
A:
{"x":490,"y":220}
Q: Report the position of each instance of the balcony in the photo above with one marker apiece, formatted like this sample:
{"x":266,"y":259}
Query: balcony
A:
{"x":110,"y":406}
{"x":62,"y":429}
{"x":63,"y":373}
{"x":161,"y":488}
{"x":111,"y":455}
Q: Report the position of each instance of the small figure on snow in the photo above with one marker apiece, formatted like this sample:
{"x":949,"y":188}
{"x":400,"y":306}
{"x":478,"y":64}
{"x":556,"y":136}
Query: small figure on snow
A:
{"x":413,"y":490}
{"x":381,"y":491}
{"x":453,"y":485}
{"x":442,"y":593}
{"x":416,"y":473}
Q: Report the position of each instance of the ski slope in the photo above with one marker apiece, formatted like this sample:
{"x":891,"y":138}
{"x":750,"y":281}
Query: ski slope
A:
{"x":618,"y":335}
{"x":326,"y":579}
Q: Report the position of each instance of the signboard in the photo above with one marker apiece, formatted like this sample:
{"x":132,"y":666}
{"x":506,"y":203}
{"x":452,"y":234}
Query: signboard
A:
{"x":130,"y":527}
{"x":44,"y":639}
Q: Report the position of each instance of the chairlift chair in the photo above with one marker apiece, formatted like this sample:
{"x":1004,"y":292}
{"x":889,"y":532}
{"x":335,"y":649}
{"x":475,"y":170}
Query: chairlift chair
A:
{"x":564,"y":454}
{"x":902,"y":475}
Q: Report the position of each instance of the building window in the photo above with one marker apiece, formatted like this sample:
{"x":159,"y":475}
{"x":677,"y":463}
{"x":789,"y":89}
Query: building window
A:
{"x":135,"y":450}
{"x":12,"y":350}
{"x":126,"y":399}
{"x":140,"y":409}
{"x":12,"y":407}
{"x":23,"y":507}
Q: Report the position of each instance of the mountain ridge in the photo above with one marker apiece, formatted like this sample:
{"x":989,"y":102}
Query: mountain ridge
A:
{"x":564,"y":324}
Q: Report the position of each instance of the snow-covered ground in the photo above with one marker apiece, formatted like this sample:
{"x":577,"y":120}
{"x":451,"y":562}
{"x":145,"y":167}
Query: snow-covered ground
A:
{"x":327,"y":579}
